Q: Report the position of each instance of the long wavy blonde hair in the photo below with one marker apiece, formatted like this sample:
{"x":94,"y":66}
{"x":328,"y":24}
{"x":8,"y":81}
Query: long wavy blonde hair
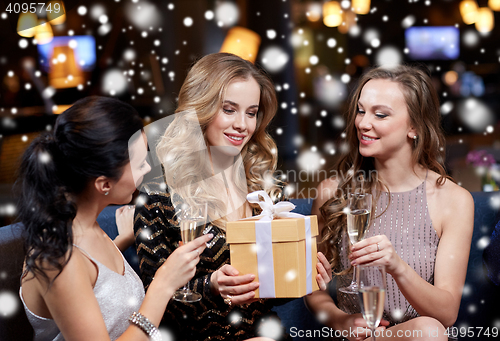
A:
{"x":183,"y":148}
{"x":428,"y":150}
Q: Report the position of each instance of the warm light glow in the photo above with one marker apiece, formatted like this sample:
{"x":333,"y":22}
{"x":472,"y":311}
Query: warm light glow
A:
{"x":332,"y":14}
{"x":59,"y":109}
{"x":64,"y":70}
{"x":494,"y":5}
{"x":348,"y":20}
{"x":242,"y":42}
{"x":450,"y":77}
{"x":468,"y":11}
{"x":26,"y":24}
{"x":54,"y":17}
{"x":43,"y":33}
{"x":361,"y":6}
{"x":485,"y":20}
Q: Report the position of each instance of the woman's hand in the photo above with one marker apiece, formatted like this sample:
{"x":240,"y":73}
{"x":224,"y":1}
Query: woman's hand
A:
{"x":376,"y":250}
{"x":180,"y":266}
{"x":324,"y":275}
{"x":233,"y":288}
{"x":125,"y":224}
{"x":355,"y":327}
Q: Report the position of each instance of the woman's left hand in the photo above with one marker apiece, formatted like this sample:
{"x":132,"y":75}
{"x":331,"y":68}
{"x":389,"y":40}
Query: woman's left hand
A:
{"x":376,"y":250}
{"x":125,"y":224}
{"x":324,"y":275}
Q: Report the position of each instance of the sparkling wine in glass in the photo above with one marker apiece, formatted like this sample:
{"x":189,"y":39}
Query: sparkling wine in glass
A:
{"x":192,"y":220}
{"x":372,"y":288}
{"x":357,"y":224}
{"x":358,"y":219}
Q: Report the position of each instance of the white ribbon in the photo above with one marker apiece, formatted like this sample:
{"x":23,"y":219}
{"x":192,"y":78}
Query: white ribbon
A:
{"x":263,"y":239}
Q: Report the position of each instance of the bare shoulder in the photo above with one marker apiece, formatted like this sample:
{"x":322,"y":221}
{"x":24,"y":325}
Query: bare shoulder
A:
{"x":78,"y":269}
{"x":452,"y":194}
{"x":453,"y":203}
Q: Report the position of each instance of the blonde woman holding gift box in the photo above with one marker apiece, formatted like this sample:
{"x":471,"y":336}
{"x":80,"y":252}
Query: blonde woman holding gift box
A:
{"x":216,"y":150}
{"x":422,"y":221}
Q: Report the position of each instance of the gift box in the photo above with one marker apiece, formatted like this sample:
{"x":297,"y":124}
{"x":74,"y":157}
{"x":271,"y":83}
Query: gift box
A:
{"x":279,"y":259}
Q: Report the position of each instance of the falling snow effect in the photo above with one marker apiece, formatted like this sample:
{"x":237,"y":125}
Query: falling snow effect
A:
{"x":227,"y":13}
{"x":114,"y":82}
{"x":274,"y":59}
{"x":388,"y":56}
{"x":144,"y":15}
{"x":309,"y":161}
{"x":270,"y":327}
{"x":8,"y":304}
{"x":327,"y":91}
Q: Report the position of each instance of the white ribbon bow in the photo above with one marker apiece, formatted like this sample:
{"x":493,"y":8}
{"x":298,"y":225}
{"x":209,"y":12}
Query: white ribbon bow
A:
{"x":263,"y":239}
{"x":269,"y":210}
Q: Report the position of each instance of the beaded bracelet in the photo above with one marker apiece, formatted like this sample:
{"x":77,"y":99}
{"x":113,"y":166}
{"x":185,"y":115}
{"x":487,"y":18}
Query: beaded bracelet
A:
{"x":143,"y":322}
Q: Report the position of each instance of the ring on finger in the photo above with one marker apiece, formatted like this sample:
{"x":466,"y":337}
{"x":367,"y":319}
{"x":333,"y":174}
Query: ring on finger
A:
{"x":228,"y":300}
{"x":378,"y":247}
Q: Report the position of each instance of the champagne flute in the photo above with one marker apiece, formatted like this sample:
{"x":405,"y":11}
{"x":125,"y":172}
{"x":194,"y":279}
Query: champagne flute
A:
{"x":358,"y":220}
{"x":192,"y":221}
{"x":372,"y":288}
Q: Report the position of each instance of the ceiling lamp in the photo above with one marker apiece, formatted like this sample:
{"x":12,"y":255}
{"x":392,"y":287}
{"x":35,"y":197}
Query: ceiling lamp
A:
{"x":494,"y":5}
{"x":43,"y":33}
{"x":58,"y":14}
{"x":241,"y":42}
{"x":64,"y":71}
{"x":485,"y":21}
{"x":26,"y":24}
{"x":361,"y":6}
{"x":468,"y":11}
{"x":332,"y":14}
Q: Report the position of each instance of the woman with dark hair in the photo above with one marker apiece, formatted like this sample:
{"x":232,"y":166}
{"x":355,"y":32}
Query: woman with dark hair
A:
{"x":76,"y":285}
{"x":216,"y":150}
{"x":422,"y":221}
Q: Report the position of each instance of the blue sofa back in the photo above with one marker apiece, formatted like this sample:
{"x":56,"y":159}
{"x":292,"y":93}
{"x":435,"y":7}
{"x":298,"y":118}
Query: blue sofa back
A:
{"x":479,"y":306}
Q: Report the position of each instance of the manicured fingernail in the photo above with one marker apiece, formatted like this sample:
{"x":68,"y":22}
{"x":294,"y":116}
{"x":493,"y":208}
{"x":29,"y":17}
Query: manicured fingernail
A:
{"x":210,"y":235}
{"x":353,"y":262}
{"x":252,"y":277}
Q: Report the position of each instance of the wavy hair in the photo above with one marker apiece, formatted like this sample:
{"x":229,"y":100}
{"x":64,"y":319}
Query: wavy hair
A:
{"x":183,"y":147}
{"x":90,"y":139}
{"x":428,"y":150}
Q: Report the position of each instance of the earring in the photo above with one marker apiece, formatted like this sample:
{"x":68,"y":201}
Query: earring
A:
{"x":106,"y":193}
{"x":414,"y":137}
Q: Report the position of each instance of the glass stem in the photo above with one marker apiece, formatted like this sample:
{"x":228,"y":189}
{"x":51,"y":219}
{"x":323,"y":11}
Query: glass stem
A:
{"x":373,"y":334}
{"x":354,"y":278}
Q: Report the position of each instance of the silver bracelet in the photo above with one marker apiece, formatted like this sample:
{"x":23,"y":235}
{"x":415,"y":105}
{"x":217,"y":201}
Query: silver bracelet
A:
{"x":143,"y":322}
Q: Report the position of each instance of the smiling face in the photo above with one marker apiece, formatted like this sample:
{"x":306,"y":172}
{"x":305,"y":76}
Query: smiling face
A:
{"x":382,"y":122}
{"x":133,"y":172}
{"x":236,"y":120}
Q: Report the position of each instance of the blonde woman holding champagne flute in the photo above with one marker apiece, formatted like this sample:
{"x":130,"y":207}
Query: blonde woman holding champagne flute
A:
{"x":421,"y":221}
